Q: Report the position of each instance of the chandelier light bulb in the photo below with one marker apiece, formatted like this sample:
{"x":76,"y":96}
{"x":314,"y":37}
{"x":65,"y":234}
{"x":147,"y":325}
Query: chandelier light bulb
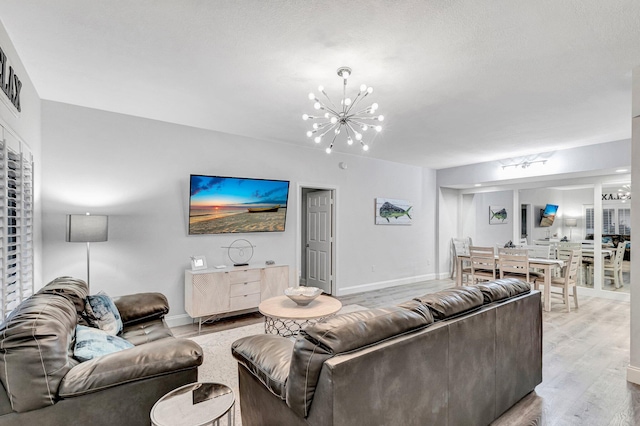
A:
{"x":347,"y":113}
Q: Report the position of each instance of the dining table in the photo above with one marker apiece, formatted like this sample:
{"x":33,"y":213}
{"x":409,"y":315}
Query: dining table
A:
{"x":545,"y":265}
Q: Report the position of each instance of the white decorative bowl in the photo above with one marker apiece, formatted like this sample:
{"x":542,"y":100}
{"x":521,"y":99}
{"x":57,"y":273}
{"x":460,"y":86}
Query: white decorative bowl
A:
{"x":302,"y":295}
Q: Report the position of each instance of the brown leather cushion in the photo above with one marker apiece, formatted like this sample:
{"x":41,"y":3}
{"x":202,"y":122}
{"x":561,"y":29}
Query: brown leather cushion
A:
{"x":36,"y":348}
{"x":141,"y":307}
{"x":146,"y":332}
{"x":73,"y":289}
{"x":343,"y":333}
{"x":268,"y":357}
{"x":452,"y":302}
{"x":505,"y":288}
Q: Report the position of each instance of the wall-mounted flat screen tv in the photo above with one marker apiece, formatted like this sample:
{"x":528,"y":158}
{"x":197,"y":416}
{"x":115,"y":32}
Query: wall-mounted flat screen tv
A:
{"x":221,"y":205}
{"x":548,"y":215}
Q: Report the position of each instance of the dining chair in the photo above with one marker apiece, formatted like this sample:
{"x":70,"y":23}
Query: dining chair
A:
{"x":563,"y":252}
{"x":483,"y":263}
{"x":568,"y":280}
{"x":459,"y":247}
{"x":514,"y":263}
{"x":538,"y":251}
{"x":614,"y":266}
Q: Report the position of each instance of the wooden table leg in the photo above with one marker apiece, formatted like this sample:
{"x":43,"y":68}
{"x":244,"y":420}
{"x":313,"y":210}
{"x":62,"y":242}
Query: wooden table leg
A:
{"x":547,"y":287}
{"x":459,"y":271}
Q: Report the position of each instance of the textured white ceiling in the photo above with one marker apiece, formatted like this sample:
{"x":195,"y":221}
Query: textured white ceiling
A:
{"x":458,"y":82}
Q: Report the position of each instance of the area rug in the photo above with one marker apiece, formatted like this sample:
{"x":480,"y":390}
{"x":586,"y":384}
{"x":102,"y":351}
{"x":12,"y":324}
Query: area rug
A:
{"x":220,"y":366}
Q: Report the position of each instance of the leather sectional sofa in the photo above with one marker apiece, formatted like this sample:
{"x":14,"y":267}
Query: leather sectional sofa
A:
{"x":42,"y":384}
{"x":462,"y":356}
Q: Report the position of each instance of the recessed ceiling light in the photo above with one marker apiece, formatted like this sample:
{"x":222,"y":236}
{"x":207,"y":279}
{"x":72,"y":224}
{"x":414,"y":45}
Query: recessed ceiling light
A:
{"x":478,"y":184}
{"x":621,"y":170}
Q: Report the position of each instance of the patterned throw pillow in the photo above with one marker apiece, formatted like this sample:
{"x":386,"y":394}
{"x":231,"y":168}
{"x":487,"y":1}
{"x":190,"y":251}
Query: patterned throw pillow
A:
{"x":103,"y":313}
{"x":93,"y":342}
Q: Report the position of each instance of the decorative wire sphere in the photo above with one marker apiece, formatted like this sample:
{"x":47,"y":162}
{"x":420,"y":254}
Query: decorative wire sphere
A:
{"x":240,"y":251}
{"x":345,"y":118}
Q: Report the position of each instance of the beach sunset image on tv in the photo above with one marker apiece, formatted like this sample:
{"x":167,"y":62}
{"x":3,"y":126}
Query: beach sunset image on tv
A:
{"x":219,"y":205}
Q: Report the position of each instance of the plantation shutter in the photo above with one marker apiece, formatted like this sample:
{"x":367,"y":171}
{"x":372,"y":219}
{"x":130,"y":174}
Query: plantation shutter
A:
{"x":16,"y":222}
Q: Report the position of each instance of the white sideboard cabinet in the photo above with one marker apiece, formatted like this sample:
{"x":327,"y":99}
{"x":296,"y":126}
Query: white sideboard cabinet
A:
{"x":211,"y":292}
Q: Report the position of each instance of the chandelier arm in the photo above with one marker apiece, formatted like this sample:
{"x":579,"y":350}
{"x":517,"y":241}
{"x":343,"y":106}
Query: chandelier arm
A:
{"x":329,"y":99}
{"x":329,"y":129}
{"x":326,"y":107}
{"x":363,"y":111}
{"x":352,"y":129}
{"x":356,"y":100}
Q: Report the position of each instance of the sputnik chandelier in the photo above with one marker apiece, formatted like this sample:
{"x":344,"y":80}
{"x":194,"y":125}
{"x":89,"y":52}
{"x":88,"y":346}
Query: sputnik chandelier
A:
{"x":347,"y":118}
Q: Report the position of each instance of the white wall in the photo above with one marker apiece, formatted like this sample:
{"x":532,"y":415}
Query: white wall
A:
{"x":487,"y":234}
{"x":137,"y":172}
{"x":633,"y":371}
{"x":25,"y":125}
{"x":539,"y":198}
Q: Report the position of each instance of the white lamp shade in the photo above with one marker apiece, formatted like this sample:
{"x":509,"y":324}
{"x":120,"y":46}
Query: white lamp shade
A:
{"x":571,"y":222}
{"x":83,"y":228}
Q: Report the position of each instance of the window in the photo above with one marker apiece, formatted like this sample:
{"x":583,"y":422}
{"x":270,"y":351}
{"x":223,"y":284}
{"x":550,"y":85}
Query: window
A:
{"x":16,"y":221}
{"x":615,"y":220}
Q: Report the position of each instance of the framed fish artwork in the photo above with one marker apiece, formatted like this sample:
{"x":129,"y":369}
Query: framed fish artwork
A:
{"x":393,"y":212}
{"x":498,"y":215}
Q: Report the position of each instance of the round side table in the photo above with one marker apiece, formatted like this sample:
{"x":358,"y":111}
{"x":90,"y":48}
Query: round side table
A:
{"x":284,"y":317}
{"x":195,"y":404}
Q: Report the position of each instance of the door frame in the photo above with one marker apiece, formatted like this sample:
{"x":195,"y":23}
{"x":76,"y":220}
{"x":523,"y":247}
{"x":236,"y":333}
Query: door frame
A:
{"x":334,"y":230}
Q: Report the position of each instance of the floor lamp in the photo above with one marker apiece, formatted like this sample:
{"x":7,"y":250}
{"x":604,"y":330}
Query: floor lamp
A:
{"x":570,"y":223}
{"x":86,"y":228}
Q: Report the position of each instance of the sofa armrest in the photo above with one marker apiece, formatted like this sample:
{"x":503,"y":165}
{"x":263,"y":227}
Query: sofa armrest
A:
{"x":267,"y":357}
{"x":141,"y":362}
{"x":141,"y":307}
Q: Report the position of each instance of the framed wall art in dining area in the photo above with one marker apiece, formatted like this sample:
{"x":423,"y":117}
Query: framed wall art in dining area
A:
{"x":498,"y":215}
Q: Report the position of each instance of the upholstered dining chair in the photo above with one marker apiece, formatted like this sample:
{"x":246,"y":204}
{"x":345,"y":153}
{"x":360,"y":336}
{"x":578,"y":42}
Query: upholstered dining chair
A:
{"x":514,"y":263}
{"x":614,"y":266}
{"x":568,"y":280}
{"x":483,"y":263}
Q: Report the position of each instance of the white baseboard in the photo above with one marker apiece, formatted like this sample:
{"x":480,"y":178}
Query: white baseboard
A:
{"x":383,"y":284}
{"x":633,"y":374}
{"x":178,"y":320}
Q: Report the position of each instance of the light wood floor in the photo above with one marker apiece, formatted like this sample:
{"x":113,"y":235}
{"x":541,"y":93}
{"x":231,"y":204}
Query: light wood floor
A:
{"x":585,"y":356}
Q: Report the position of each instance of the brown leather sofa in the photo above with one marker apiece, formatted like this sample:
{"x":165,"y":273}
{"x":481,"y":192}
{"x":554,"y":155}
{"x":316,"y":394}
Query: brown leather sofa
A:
{"x":43,"y":384}
{"x":461,"y":356}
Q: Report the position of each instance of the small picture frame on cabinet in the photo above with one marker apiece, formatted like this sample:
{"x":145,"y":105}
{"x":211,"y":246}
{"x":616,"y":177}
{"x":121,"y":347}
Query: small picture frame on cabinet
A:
{"x":198,"y":263}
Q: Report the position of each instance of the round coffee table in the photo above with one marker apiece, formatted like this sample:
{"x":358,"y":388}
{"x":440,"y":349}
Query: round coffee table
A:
{"x":286,"y":318}
{"x":195,"y":404}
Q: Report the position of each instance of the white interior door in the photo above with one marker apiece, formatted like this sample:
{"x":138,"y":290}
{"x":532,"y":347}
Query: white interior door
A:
{"x":318,"y":245}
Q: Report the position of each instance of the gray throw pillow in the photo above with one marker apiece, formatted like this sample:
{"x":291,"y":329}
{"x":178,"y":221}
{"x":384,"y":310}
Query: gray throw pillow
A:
{"x":93,"y":342}
{"x":103,"y":313}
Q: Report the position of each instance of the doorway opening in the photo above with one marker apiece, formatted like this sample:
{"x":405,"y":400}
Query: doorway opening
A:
{"x":526,"y":222}
{"x":317,"y":237}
